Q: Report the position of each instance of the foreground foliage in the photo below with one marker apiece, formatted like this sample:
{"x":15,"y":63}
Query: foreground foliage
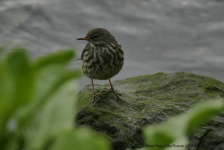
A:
{"x":37,"y":104}
{"x":172,"y":134}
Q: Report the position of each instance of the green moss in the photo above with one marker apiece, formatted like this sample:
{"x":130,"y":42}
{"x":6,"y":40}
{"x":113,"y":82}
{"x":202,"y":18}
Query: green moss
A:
{"x":212,"y":87}
{"x":158,"y":74}
{"x":146,"y":99}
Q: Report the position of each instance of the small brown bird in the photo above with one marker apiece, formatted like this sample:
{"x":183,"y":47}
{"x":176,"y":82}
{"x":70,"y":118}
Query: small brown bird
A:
{"x":102,"y":57}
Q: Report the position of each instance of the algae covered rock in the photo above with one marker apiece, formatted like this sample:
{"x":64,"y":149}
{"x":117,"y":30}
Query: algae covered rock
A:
{"x":148,"y":100}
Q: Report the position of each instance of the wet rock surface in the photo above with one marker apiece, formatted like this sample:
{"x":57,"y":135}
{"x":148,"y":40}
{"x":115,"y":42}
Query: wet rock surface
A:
{"x":149,"y":100}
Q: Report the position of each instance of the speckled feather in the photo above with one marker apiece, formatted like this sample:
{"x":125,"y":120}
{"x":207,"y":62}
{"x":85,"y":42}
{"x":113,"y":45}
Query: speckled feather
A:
{"x":102,"y":62}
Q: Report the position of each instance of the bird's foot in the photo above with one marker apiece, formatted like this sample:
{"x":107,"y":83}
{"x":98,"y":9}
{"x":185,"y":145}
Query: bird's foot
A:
{"x":116,"y":93}
{"x":96,"y":96}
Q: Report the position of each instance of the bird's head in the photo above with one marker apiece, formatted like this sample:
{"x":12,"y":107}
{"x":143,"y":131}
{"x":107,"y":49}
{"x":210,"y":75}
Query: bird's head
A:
{"x":99,"y":36}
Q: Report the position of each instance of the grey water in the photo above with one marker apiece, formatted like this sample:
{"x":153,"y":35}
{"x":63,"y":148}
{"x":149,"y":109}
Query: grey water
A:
{"x":156,"y":35}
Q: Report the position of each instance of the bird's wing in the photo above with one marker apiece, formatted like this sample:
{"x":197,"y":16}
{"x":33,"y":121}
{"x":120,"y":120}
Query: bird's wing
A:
{"x":86,"y":49}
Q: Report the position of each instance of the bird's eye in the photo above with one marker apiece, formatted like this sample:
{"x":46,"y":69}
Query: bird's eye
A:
{"x":96,"y":36}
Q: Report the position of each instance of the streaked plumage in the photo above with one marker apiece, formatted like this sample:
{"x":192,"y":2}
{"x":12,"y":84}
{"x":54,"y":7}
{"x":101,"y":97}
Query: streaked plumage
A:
{"x":102,"y":57}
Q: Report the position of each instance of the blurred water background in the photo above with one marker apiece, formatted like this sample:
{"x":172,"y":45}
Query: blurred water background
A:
{"x":156,"y":35}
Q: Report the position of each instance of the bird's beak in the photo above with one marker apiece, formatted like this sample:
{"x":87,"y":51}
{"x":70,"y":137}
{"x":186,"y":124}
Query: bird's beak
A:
{"x":85,"y":38}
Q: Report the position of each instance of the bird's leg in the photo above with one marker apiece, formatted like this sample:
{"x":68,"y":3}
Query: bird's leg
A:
{"x":112,"y":90}
{"x":94,"y":94}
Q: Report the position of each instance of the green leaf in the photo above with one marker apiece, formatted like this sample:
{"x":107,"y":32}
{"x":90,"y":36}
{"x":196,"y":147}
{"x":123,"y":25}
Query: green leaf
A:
{"x":80,"y":139}
{"x":39,"y":105}
{"x":16,"y":86}
{"x":56,"y":115}
{"x":6,"y":99}
{"x":48,"y":80}
{"x":59,"y":57}
{"x":202,"y":112}
{"x":177,"y":127}
{"x":16,"y":78}
{"x":20,"y":69}
{"x":157,"y":137}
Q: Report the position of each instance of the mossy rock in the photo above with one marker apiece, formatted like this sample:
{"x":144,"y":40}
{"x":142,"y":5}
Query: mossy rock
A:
{"x":147,"y":100}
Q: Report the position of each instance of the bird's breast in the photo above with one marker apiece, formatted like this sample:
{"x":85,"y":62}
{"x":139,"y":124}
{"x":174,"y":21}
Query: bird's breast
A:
{"x":103,"y":62}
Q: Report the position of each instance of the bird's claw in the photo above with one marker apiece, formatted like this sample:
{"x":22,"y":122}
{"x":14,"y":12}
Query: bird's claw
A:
{"x":96,"y":96}
{"x":115,"y":92}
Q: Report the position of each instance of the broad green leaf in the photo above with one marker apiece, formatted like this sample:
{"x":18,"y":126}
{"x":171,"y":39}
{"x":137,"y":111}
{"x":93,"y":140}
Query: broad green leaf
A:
{"x":57,"y":115}
{"x":16,"y":86}
{"x":59,"y":57}
{"x":45,"y":78}
{"x":20,"y":69}
{"x":6,"y":100}
{"x":157,"y":137}
{"x":16,"y":78}
{"x":174,"y":128}
{"x":202,"y":112}
{"x":80,"y":139}
{"x":44,"y":100}
{"x":48,"y":80}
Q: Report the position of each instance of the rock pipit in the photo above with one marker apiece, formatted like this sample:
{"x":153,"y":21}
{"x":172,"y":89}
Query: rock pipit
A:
{"x":102,"y":57}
